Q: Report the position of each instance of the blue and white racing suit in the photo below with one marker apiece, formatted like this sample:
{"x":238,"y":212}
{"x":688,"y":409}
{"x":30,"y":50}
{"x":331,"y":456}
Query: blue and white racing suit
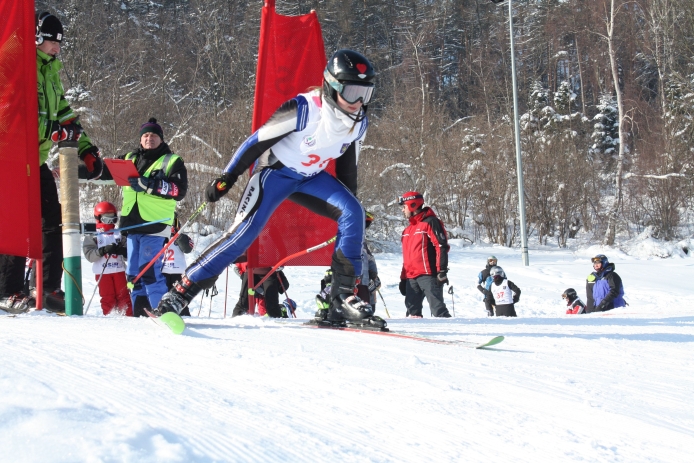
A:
{"x":288,"y":167}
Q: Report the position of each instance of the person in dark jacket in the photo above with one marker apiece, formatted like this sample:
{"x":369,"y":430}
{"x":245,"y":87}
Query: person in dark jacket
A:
{"x":574,"y":303}
{"x":266,"y":295}
{"x":484,"y":281}
{"x":425,"y":258}
{"x":152,"y":196}
{"x":503,"y":292}
{"x":604,"y":287}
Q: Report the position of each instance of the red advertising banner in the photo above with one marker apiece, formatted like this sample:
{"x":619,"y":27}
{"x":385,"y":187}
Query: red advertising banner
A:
{"x":20,"y":195}
{"x":291,"y":59}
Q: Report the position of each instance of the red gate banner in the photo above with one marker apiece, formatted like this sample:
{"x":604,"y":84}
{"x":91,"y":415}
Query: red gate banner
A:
{"x":20,"y":195}
{"x":291,"y":59}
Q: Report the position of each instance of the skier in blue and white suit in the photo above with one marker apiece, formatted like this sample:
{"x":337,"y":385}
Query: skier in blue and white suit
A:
{"x":291,"y":151}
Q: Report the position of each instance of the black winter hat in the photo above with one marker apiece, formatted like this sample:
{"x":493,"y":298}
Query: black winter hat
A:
{"x":152,"y":126}
{"x":48,"y":27}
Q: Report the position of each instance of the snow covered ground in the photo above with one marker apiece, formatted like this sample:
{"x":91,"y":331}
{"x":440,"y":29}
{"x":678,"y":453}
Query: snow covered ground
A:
{"x":611,"y":387}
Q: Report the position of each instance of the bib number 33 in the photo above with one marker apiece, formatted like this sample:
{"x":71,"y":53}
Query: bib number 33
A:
{"x":315,"y":159}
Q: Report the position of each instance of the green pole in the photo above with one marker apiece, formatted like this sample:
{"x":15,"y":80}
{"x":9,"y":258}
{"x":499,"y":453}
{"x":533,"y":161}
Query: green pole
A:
{"x":70,"y":206}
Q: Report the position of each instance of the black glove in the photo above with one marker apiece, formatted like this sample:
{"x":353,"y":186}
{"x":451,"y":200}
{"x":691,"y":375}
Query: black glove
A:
{"x":218,"y":188}
{"x":123,"y":248}
{"x":403,"y":287}
{"x":71,"y":131}
{"x":488,"y":296}
{"x":92,"y":159}
{"x":108,"y":250}
{"x":516,"y":298}
{"x":142,"y":184}
{"x":374,"y":284}
{"x":601,"y":307}
{"x":185,"y":244}
{"x":442,"y":278}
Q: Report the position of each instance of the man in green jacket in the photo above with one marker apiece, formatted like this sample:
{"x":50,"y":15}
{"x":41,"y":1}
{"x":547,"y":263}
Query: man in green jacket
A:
{"x":57,"y":122}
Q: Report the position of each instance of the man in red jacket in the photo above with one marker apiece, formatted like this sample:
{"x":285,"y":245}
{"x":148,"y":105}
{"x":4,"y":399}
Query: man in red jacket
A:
{"x":425,"y":258}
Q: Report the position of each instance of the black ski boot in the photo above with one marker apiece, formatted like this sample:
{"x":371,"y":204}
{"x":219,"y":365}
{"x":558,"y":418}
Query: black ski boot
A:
{"x":346,"y":306}
{"x":178,"y":298}
{"x":54,"y":302}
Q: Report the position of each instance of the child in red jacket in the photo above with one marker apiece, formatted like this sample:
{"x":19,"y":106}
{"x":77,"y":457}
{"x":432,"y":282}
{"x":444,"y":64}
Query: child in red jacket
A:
{"x":574,"y":304}
{"x":106,"y":251}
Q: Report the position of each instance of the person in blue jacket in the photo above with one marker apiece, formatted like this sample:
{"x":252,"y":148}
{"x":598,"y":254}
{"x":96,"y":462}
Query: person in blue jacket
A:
{"x":605,"y":286}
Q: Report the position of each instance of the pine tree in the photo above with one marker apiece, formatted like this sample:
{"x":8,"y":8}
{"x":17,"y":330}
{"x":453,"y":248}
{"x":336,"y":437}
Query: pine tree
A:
{"x":605,"y":134}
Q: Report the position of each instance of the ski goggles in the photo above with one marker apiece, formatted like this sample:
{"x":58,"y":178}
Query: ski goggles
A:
{"x":351,"y":93}
{"x":109,"y":219}
{"x":596,"y":260}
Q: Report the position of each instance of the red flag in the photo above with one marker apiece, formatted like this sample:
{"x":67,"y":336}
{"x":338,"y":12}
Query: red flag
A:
{"x":20,"y":191}
{"x":291,"y":59}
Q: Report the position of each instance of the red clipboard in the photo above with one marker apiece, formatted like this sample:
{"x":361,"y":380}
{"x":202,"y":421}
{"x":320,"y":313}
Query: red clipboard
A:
{"x":121,"y":170}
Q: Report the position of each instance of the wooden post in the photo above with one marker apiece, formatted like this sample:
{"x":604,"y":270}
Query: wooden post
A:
{"x":70,"y":206}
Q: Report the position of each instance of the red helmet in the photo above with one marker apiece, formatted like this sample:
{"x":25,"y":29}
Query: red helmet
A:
{"x":105,"y":213}
{"x":412,"y":199}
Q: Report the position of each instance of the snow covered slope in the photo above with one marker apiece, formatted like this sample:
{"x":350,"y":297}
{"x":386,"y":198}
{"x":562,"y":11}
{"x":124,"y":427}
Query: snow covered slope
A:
{"x":616,"y":386}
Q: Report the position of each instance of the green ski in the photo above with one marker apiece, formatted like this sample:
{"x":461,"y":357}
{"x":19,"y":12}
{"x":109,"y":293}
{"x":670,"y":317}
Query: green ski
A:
{"x":169,"y":320}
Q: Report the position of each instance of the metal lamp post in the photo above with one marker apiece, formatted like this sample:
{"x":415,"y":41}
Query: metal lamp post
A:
{"x":519,"y":165}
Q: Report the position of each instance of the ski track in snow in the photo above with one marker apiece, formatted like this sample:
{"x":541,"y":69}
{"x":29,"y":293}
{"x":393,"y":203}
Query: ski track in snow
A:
{"x":611,"y":387}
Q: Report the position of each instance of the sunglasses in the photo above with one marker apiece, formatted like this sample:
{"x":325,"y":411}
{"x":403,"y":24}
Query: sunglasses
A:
{"x":109,"y":219}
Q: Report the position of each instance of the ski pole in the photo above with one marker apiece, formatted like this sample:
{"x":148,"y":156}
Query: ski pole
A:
{"x":384,"y":302}
{"x":450,"y":291}
{"x":213,"y":293}
{"x":226,"y":292}
{"x":130,"y":227}
{"x":171,"y":241}
{"x":97,"y":284}
{"x":287,"y":259}
{"x":201,"y":300}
